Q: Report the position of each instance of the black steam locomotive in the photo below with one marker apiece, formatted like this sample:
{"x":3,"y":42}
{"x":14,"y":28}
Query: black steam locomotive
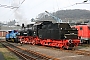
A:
{"x":50,"y":34}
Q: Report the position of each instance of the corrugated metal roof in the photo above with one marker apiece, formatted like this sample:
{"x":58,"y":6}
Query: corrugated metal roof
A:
{"x":6,"y":28}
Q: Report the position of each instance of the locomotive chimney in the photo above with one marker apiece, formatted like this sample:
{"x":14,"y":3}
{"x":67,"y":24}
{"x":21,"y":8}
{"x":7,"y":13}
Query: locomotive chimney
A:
{"x":22,"y":25}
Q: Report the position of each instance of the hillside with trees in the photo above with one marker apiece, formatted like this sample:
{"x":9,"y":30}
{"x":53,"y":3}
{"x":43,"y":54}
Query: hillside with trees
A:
{"x":77,"y":14}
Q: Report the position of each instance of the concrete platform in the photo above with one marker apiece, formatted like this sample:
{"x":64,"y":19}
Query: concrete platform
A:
{"x":1,"y":56}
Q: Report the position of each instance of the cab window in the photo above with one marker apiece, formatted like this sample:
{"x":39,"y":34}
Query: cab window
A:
{"x":88,"y":27}
{"x":81,"y":28}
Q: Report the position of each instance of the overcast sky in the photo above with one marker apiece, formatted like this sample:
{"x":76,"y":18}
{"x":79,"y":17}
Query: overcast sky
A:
{"x":31,"y":8}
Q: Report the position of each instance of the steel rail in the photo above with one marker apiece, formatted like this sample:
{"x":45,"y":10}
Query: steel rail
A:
{"x":26,"y":56}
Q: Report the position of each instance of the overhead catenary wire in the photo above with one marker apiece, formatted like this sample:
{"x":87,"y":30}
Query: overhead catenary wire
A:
{"x":12,"y":7}
{"x":6,"y":6}
{"x":84,"y":2}
{"x":20,"y":4}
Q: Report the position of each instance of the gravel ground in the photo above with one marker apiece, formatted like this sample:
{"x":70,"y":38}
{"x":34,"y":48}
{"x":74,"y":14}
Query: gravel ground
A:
{"x":85,"y":48}
{"x":62,"y":55}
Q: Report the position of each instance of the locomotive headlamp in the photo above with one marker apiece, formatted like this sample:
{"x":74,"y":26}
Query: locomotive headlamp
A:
{"x":34,"y":32}
{"x":61,"y":28}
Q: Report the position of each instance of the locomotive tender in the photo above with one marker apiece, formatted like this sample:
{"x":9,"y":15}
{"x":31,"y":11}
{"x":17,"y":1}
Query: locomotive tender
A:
{"x":51,"y":34}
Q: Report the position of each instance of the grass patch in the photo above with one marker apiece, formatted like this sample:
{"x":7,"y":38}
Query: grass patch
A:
{"x":10,"y":56}
{"x":1,"y":45}
{"x":7,"y":54}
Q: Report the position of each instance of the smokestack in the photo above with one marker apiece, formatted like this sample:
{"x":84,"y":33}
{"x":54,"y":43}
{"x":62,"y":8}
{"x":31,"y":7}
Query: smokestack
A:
{"x":22,"y":25}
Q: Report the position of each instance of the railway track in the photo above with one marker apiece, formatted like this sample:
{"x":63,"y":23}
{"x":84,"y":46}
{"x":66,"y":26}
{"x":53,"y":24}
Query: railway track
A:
{"x":79,"y":52}
{"x":26,"y":54}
